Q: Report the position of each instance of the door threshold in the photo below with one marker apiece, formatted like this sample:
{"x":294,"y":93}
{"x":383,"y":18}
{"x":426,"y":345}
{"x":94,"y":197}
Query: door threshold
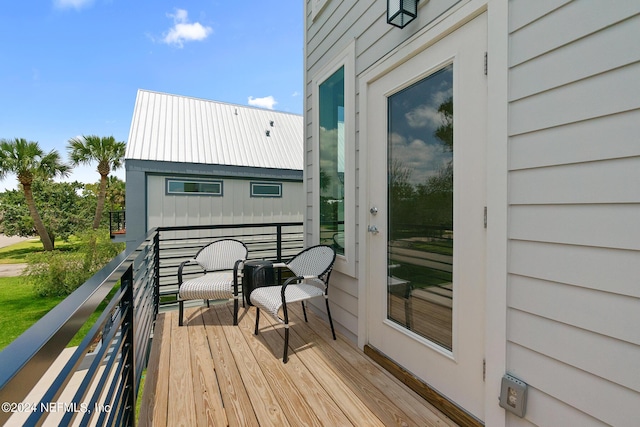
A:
{"x":447,"y":407}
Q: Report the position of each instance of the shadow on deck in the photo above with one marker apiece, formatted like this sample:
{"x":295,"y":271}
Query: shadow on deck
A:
{"x":212,"y":373}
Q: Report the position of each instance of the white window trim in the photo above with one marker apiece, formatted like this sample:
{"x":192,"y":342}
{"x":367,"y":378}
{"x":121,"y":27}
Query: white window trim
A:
{"x":346,"y":263}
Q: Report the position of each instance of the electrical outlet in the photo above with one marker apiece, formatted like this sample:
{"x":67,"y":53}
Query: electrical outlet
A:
{"x":513,"y":395}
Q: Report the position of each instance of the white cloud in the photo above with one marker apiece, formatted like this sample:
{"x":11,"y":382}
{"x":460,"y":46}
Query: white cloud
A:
{"x":267,"y":102}
{"x":184,"y":31}
{"x":423,"y":116}
{"x":427,"y":115}
{"x":75,"y":4}
{"x":423,"y":159}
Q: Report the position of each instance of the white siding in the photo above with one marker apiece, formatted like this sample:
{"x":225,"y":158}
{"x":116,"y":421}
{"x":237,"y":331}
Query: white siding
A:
{"x":234,"y":207}
{"x":574,"y":210}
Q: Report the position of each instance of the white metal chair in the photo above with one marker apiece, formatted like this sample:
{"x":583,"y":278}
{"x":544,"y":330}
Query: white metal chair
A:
{"x":312,"y":268}
{"x":222,"y":262}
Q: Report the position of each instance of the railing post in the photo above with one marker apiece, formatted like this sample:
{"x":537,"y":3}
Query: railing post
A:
{"x":156,"y":272}
{"x":129,"y":351}
{"x":279,"y":251}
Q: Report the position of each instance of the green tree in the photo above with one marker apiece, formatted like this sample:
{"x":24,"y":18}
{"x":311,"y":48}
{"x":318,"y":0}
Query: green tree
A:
{"x":115,"y":197}
{"x":116,"y":192}
{"x":444,"y":132}
{"x":27,"y":160}
{"x":109,"y":154}
{"x":63,"y":210}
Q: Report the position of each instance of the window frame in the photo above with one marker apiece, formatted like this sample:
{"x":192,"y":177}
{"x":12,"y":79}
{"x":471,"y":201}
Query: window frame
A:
{"x":168,"y":191}
{"x":346,"y":263}
{"x":269,"y":196}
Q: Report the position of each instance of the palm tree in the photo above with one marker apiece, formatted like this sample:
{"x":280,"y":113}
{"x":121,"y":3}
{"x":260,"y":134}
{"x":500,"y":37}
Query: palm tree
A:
{"x":27,"y":160}
{"x":109,"y":154}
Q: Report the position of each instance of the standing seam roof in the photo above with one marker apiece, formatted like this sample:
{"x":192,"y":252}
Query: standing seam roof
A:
{"x":176,"y":128}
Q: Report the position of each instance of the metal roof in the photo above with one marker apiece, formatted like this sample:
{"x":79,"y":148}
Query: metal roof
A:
{"x":177,"y":128}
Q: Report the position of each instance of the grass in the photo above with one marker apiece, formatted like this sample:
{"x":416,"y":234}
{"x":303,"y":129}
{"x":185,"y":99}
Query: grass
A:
{"x":21,"y":308}
{"x":140,"y":392}
{"x":17,"y":253}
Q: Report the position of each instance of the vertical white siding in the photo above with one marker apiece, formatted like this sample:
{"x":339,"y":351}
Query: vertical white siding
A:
{"x":234,"y":207}
{"x":574,"y":210}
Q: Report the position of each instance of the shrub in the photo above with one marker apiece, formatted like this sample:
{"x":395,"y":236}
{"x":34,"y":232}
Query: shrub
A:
{"x":59,"y":273}
{"x":56,"y":273}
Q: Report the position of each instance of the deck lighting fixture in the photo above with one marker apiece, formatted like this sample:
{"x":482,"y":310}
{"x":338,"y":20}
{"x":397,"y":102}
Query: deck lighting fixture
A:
{"x":401,"y":12}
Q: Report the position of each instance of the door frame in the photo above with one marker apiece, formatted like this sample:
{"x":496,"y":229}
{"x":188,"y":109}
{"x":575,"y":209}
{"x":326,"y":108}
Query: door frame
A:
{"x":496,"y":178}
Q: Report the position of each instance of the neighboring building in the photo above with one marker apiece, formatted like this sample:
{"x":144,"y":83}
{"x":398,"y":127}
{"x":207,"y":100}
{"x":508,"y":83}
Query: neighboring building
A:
{"x":191,"y":161}
{"x":480,"y":171}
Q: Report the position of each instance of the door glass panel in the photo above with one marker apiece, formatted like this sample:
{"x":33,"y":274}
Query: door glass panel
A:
{"x":420,"y":207}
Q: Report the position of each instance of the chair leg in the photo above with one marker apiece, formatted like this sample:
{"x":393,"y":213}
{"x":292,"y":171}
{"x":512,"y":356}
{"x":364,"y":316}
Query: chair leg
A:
{"x":285,"y":358}
{"x":257,"y":320}
{"x":180,"y":312}
{"x":207,"y":301}
{"x":235,"y":311}
{"x":333,"y":332}
{"x":304,"y":311}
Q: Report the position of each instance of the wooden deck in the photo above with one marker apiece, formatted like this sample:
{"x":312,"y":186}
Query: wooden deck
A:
{"x":212,"y":373}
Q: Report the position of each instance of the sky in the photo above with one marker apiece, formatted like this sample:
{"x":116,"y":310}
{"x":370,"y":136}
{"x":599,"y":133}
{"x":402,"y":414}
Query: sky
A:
{"x":73,"y":67}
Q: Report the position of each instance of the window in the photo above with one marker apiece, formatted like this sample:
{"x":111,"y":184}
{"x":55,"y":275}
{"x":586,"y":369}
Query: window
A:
{"x":194,"y":187}
{"x":334,"y":167}
{"x":266,"y":189}
{"x":332,"y":153}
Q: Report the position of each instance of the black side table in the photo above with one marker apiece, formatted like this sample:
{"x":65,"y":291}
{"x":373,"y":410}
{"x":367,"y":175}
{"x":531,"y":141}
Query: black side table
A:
{"x":255,"y":279}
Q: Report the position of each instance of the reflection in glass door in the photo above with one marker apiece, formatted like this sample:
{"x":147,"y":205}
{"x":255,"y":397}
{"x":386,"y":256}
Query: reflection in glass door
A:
{"x":420,"y":207}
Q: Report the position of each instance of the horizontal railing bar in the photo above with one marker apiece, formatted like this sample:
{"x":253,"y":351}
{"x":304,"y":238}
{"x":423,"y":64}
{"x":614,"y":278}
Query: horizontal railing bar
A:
{"x":149,"y":271}
{"x":26,"y":359}
{"x":89,"y":378}
{"x":64,"y":376}
{"x":228,"y":226}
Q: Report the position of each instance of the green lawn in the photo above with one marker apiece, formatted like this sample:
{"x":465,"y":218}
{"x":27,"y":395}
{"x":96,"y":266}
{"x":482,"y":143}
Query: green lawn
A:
{"x":20,"y":308}
{"x":17,"y":253}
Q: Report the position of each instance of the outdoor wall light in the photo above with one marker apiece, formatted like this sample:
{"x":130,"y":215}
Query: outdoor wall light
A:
{"x":401,"y":12}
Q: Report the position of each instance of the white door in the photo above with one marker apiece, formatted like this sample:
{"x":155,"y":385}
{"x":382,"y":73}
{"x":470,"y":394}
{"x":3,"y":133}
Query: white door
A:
{"x":426,"y":126}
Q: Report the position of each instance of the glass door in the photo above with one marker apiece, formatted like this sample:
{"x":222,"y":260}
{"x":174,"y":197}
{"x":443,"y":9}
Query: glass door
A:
{"x":426,"y":120}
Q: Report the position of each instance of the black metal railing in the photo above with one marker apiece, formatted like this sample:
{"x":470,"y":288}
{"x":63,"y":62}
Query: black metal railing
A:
{"x":107,"y":388}
{"x":117,"y":223}
{"x":271,"y":241}
{"x":100,"y":385}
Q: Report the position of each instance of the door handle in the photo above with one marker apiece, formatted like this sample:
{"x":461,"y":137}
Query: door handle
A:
{"x":373,"y":229}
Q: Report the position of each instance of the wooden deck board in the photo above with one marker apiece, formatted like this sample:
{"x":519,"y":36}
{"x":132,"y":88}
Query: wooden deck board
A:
{"x":234,"y":393}
{"x":208,"y":400}
{"x":156,"y":387}
{"x":395,"y":401}
{"x":181,"y":394}
{"x":239,"y":379}
{"x":287,"y":395}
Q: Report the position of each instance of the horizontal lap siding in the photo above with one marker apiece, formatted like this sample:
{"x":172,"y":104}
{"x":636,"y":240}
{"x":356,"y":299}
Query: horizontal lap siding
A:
{"x":326,"y":37}
{"x":574,"y":215}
